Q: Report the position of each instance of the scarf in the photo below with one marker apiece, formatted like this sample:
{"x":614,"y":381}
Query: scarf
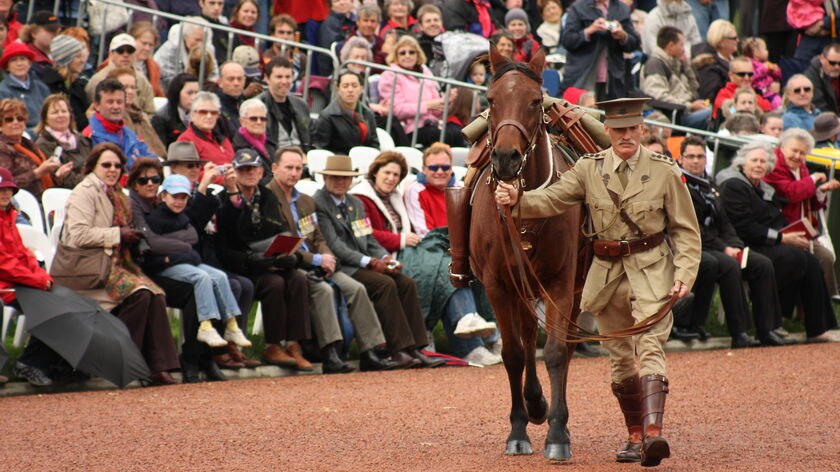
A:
{"x":386,"y":202}
{"x":246,"y":40}
{"x":110,"y":126}
{"x":483,"y":9}
{"x":66,"y":139}
{"x":37,"y":157}
{"x":257,"y":142}
{"x":356,"y":118}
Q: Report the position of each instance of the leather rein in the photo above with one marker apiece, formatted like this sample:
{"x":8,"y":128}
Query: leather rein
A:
{"x":566,"y":119}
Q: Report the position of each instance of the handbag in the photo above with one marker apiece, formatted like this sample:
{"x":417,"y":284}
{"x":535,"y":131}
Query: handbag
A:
{"x":80,"y":268}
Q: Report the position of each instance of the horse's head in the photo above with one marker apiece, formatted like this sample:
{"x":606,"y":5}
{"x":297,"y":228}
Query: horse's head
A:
{"x":516,"y":113}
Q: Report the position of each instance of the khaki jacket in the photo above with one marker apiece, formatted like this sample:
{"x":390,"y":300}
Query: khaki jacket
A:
{"x":656,"y":199}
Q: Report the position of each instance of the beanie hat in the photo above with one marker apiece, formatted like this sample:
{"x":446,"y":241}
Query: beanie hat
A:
{"x":517,"y":14}
{"x":64,"y":49}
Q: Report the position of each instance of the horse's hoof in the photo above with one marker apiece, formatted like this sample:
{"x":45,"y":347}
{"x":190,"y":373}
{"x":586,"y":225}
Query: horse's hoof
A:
{"x":558,"y":452}
{"x":518,"y":447}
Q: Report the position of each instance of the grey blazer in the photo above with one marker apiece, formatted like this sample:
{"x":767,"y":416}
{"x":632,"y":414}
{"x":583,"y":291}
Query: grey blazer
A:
{"x":348,"y":248}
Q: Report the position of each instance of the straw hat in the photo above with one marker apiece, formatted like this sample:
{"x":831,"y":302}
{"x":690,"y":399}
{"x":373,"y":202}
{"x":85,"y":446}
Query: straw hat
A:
{"x":341,"y":166}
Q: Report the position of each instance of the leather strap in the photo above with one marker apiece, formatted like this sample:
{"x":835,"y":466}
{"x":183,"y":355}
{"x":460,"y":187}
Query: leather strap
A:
{"x":611,"y":250}
{"x":616,"y":199}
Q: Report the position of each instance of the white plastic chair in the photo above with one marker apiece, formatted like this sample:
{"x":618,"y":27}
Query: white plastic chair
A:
{"x":362,"y":157}
{"x":316,"y":160}
{"x":308,"y":187}
{"x":40,"y":245}
{"x":257,"y":328}
{"x":159,"y":102}
{"x":386,"y":142}
{"x":414,"y":157}
{"x":30,"y":207}
{"x":459,"y":156}
{"x":459,"y":172}
{"x":215,"y":189}
{"x":53,"y":202}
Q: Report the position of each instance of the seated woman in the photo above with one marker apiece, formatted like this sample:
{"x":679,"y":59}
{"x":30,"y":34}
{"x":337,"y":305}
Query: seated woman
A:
{"x":806,"y":195}
{"x":147,"y":39}
{"x":346,"y":122}
{"x":392,"y":229}
{"x":407,"y":91}
{"x":172,"y":120}
{"x":57,"y":128}
{"x":66,"y":77}
{"x":32,"y":170}
{"x":21,"y":82}
{"x":135,"y":119}
{"x":245,"y":16}
{"x":756,"y":214}
{"x":99,"y":216}
{"x":253,"y":115}
{"x":211,"y":145}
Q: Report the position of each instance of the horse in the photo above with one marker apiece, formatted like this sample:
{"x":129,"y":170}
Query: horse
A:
{"x":522,"y":152}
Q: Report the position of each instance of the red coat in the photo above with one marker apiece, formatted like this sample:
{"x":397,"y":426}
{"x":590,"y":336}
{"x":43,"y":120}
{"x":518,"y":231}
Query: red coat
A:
{"x":390,"y":240}
{"x":728,"y":91}
{"x":801,"y":195}
{"x":303,"y":11}
{"x":17,"y":265}
{"x":210,"y":146}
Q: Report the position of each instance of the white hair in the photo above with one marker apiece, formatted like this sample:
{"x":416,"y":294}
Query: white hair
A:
{"x":189,"y":28}
{"x":798,"y":134}
{"x":741,"y":158}
{"x":251,"y":104}
{"x":202,"y":97}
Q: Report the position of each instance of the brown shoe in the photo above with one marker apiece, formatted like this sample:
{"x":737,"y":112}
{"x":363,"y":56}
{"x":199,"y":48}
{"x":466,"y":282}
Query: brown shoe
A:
{"x":3,"y":380}
{"x":294,"y":349}
{"x":162,"y":378}
{"x":225,"y":361}
{"x":238,"y":356}
{"x":405,"y":361}
{"x":276,"y":355}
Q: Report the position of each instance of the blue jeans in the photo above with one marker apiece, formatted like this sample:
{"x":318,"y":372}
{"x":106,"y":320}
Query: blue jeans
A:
{"x":214,"y":299}
{"x":460,"y":304}
{"x":704,"y":15}
{"x":698,"y":119}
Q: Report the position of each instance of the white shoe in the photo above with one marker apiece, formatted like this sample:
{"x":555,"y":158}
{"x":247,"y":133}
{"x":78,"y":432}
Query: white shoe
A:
{"x":210,"y":337}
{"x":237,"y":337}
{"x":473,"y":325}
{"x":431,"y":346}
{"x":496,"y":347}
{"x":482,"y":356}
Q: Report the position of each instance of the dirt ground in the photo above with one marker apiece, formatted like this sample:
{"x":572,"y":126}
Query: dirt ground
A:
{"x":757,"y":409}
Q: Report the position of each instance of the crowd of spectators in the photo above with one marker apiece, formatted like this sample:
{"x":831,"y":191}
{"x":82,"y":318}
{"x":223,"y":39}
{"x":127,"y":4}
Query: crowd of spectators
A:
{"x":150,"y":120}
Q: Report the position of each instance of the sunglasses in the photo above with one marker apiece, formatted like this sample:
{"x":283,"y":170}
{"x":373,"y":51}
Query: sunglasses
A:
{"x":207,"y":112}
{"x":407,"y":52}
{"x":254,"y":119}
{"x":124,"y":50}
{"x":744,"y":74}
{"x":802,"y":90}
{"x":437,"y":167}
{"x":11,"y":119}
{"x":832,"y":63}
{"x":111,"y":165}
{"x":694,"y":156}
{"x":190,"y":165}
{"x":145,"y":180}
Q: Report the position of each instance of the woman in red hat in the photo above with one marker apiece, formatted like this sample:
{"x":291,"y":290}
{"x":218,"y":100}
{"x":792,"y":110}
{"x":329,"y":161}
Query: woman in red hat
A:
{"x":20,"y":82}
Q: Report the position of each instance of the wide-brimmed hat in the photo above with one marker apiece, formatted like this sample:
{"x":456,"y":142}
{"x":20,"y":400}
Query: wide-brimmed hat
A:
{"x":341,"y":166}
{"x":623,"y":112}
{"x":16,"y":48}
{"x":826,"y":127}
{"x":182,"y":151}
{"x":7,"y":180}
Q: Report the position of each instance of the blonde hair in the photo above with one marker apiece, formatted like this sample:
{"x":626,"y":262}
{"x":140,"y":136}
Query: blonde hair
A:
{"x":437,"y":148}
{"x":406,"y":40}
{"x":718,"y":31}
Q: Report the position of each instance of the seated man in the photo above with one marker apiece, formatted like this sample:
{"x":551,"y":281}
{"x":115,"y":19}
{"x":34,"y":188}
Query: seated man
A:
{"x":349,"y":236}
{"x":719,"y":263}
{"x":121,"y":55}
{"x":300,"y":208}
{"x":107,"y":125}
{"x":741,"y":73}
{"x":248,"y":220}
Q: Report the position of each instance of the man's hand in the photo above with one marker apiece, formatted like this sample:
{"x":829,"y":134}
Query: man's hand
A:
{"x":328,"y":263}
{"x":506,"y":194}
{"x":210,"y":174}
{"x":377,"y":265}
{"x":412,"y":240}
{"x":130,"y":236}
{"x":697,"y":105}
{"x":597,"y":26}
{"x":393,"y":266}
{"x":230,"y":181}
{"x":618,"y":33}
{"x":796,"y":238}
{"x":732,"y":252}
{"x":679,"y":289}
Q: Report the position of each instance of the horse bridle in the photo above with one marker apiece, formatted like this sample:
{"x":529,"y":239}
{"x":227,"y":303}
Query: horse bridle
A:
{"x":531,"y":140}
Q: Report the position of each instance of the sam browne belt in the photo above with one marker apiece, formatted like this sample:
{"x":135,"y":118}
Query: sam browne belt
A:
{"x":608,"y":249}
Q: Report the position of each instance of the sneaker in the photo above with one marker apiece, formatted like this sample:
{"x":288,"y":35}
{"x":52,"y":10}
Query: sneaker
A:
{"x":210,"y":337}
{"x":472,"y":325}
{"x":236,"y":336}
{"x":35,"y":376}
{"x":431,"y":346}
{"x":781,"y":332}
{"x":496,"y":347}
{"x":482,"y":356}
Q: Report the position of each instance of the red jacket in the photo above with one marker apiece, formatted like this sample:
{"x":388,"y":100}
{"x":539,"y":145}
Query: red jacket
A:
{"x":390,"y":240}
{"x":801,"y":195}
{"x":426,"y":207}
{"x":211,"y":146}
{"x":728,"y":91}
{"x":17,"y":265}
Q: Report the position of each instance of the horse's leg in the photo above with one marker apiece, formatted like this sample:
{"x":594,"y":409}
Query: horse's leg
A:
{"x":557,"y":357}
{"x":514,"y":359}
{"x":534,"y":398}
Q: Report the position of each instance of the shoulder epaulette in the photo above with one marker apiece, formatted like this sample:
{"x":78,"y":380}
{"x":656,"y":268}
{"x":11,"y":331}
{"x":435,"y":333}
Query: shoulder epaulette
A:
{"x":595,"y":155}
{"x":662,"y":158}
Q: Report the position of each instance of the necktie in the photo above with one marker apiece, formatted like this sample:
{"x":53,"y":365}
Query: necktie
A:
{"x":622,"y":173}
{"x":343,"y":208}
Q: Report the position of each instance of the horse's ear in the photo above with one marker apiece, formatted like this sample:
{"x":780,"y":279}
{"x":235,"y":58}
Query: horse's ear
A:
{"x":537,"y":63}
{"x":496,"y":58}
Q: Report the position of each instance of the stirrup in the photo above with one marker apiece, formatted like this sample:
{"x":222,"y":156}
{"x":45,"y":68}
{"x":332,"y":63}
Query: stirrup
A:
{"x":460,"y":280}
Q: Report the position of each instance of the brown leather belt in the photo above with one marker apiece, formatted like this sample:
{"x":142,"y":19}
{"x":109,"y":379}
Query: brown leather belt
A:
{"x":606,"y":249}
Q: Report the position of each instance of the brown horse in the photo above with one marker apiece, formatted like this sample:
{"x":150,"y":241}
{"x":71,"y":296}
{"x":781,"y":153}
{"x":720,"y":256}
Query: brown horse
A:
{"x":521,"y":152}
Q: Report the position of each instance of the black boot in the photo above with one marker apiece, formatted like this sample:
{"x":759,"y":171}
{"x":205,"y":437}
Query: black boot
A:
{"x":332,"y":364}
{"x":628,"y":393}
{"x":370,"y":361}
{"x":654,"y":446}
{"x":211,"y":370}
{"x":189,"y":370}
{"x":459,"y":211}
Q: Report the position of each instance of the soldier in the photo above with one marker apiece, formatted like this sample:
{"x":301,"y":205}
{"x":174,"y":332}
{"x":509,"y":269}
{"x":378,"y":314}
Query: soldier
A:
{"x":634,"y":197}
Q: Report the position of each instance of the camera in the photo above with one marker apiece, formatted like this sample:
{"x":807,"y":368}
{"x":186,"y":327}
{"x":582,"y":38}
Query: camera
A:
{"x":612,"y":26}
{"x":393,"y":264}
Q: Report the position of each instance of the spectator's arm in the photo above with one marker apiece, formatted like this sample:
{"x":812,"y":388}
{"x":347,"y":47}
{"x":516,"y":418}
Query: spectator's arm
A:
{"x":414,"y":208}
{"x":388,"y":239}
{"x":795,"y":191}
{"x":79,"y":229}
{"x":572,"y":36}
{"x":736,"y":197}
{"x":323,"y":130}
{"x":656,"y":84}
{"x":631,"y":41}
{"x":345,"y":254}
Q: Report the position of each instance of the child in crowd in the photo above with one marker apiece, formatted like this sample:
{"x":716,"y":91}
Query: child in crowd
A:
{"x":743,"y":102}
{"x":767,"y":74}
{"x":549,"y":30}
{"x":524,"y":44}
{"x":478,"y":73}
{"x":213,"y":296}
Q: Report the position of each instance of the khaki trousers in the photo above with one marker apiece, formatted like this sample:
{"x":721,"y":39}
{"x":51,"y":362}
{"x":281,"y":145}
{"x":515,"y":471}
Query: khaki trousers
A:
{"x":622,"y":312}
{"x":359,"y":307}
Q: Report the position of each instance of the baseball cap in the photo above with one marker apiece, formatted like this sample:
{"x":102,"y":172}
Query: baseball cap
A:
{"x":122,"y":39}
{"x":175,"y":184}
{"x":46,"y":19}
{"x":246,"y":157}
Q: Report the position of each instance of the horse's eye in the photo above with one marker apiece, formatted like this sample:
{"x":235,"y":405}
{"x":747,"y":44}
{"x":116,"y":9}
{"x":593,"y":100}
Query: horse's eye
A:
{"x":536,"y":103}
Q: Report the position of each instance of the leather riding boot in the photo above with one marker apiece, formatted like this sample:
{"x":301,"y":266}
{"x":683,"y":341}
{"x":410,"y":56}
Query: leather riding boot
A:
{"x":654,"y":446}
{"x":458,"y":213}
{"x":628,"y":393}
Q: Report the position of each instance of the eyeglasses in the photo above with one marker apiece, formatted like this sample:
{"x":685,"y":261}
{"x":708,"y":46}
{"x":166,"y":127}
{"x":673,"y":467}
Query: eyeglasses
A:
{"x":443,"y":167}
{"x":832,"y":63}
{"x":407,"y":52}
{"x":145,"y":180}
{"x":111,"y":165}
{"x":125,"y":50}
{"x":799,"y":90}
{"x":207,"y":112}
{"x":733,"y":38}
{"x":693,"y":156}
{"x":744,"y":74}
{"x":254,"y":119}
{"x":10,"y":119}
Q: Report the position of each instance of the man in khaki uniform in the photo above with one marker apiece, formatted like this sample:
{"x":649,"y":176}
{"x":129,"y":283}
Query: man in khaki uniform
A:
{"x":634,"y":272}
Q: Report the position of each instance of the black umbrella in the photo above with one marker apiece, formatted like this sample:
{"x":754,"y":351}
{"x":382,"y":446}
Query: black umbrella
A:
{"x":89,"y":338}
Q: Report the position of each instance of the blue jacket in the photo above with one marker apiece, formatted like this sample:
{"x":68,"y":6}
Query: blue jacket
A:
{"x":797,"y":117}
{"x":131,"y":145}
{"x":33,"y":97}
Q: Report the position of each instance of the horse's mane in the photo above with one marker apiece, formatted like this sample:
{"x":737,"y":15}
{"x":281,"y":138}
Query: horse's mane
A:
{"x":518,"y":67}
